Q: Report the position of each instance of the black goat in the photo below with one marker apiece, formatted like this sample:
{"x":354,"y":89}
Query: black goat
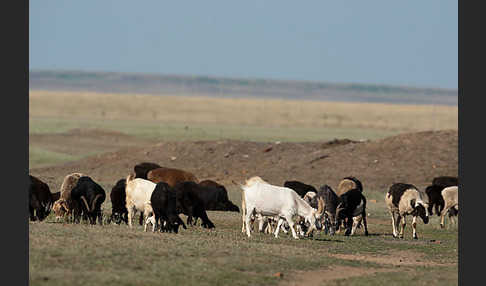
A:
{"x":89,"y":195}
{"x":352,"y":204}
{"x":434,"y":192}
{"x":40,"y":199}
{"x":163,"y":201}
{"x":299,"y":187}
{"x":118,"y":199}
{"x":215,"y":197}
{"x":189,"y":203}
{"x":331,"y":201}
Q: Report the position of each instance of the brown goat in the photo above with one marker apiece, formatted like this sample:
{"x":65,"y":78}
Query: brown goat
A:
{"x":64,"y":206}
{"x":170,"y":176}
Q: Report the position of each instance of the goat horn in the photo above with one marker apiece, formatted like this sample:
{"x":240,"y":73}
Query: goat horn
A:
{"x":94,"y":202}
{"x":85,"y":202}
{"x":320,"y":206}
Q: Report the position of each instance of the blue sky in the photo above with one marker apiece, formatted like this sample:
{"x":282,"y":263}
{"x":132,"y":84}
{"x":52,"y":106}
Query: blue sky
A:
{"x":408,"y":43}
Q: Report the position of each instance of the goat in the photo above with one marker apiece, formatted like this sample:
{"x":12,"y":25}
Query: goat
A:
{"x":89,"y":195}
{"x":352,"y":209}
{"x":138,"y":192}
{"x":64,"y":206}
{"x":40,"y":199}
{"x":163,"y":202}
{"x":266,"y":223}
{"x":118,"y":199}
{"x":190,"y":204}
{"x":215,"y":197}
{"x":330,"y":202}
{"x":269,"y":200}
{"x":451,"y":199}
{"x":436,"y":201}
{"x":405,"y":199}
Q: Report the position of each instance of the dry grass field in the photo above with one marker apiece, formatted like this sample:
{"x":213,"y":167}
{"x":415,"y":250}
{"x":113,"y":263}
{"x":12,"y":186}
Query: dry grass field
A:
{"x":105,"y":135}
{"x":240,"y":111}
{"x":174,"y":118}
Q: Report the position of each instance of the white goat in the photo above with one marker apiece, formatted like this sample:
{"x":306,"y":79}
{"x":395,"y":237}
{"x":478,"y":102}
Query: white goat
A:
{"x":269,"y":200}
{"x":138,"y":192}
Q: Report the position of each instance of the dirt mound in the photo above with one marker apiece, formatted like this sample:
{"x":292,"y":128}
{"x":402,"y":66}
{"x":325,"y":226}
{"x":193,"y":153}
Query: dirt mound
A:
{"x":413,"y":158}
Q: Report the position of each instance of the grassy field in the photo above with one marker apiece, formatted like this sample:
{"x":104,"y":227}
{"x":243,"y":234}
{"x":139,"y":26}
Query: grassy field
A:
{"x":240,"y":112}
{"x":175,"y":118}
{"x":61,"y":254}
{"x":66,"y":254}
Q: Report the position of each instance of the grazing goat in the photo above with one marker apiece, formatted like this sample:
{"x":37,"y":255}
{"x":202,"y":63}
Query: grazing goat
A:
{"x":445,"y":181}
{"x":40,"y":199}
{"x":170,"y":176}
{"x":142,"y":169}
{"x":330,"y":202}
{"x":90,"y":196}
{"x":347,"y":184}
{"x":118,"y":199}
{"x":138,"y":192}
{"x":352,"y":209}
{"x":188,"y":202}
{"x":300,"y":188}
{"x":266,"y":223}
{"x":269,"y":200}
{"x":451,"y":199}
{"x":215,"y":197}
{"x":405,"y":199}
{"x":163,"y":202}
{"x":64,"y":206}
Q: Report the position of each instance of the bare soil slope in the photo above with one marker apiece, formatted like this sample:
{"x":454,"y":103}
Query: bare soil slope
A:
{"x":413,"y":158}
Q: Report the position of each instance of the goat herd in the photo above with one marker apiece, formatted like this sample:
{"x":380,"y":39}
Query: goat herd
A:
{"x":160,"y":194}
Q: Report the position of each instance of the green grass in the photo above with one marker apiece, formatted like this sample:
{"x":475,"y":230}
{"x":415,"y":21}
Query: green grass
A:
{"x":195,"y":131}
{"x":40,"y":157}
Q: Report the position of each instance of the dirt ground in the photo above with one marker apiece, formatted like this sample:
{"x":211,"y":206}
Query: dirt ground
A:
{"x":414,"y":158}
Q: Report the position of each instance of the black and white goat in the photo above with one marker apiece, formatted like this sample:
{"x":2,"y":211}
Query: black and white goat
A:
{"x":405,"y":199}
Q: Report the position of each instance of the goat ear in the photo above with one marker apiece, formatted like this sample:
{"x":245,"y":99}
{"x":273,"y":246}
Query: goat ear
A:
{"x":412,"y":203}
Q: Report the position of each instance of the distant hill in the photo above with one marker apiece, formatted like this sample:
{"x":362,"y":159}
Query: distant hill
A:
{"x":236,"y":87}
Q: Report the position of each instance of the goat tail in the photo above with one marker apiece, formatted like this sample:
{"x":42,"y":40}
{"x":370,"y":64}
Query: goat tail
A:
{"x":94,"y":202}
